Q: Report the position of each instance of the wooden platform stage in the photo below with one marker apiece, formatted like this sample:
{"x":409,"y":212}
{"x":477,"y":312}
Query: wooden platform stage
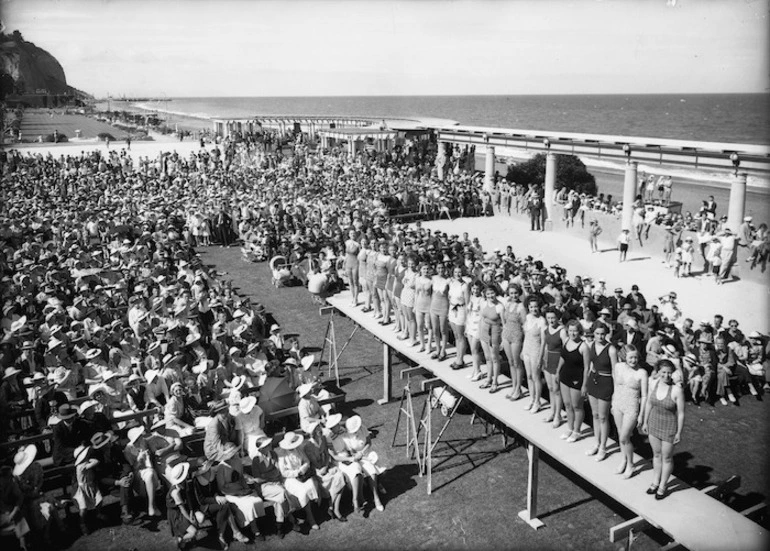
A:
{"x":689,"y":516}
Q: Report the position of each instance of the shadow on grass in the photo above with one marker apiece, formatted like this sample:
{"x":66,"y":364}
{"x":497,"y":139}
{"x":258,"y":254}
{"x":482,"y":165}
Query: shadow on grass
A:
{"x":459,"y":448}
{"x":399,"y":479}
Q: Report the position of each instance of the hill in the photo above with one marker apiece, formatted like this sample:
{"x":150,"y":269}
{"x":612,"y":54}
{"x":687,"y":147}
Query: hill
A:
{"x":28,"y":70}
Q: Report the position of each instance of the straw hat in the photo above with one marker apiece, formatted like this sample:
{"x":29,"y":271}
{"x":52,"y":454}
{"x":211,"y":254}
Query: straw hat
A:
{"x":53,"y":343}
{"x":67,"y":411}
{"x":353,"y":424}
{"x":23,"y":459}
{"x":275,"y":327}
{"x":134,"y":434}
{"x":177,"y":473}
{"x":247,"y":404}
{"x":99,"y":440}
{"x":27,"y":345}
{"x":81,"y":454}
{"x":108,"y":374}
{"x":290,"y":361}
{"x":236,"y":382}
{"x":307,"y":362}
{"x":18,"y":324}
{"x":192,"y":338}
{"x":86,"y":405}
{"x":333,"y":420}
{"x":304,"y":389}
{"x":10,"y":372}
{"x":133,"y":379}
{"x":291,"y":440}
{"x":263,"y":442}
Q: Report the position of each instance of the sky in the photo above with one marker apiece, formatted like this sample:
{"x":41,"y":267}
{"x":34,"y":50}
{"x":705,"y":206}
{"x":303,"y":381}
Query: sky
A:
{"x":201,"y":48}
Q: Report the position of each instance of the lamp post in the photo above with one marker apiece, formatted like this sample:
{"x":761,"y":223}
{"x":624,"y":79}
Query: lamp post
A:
{"x":737,"y":206}
{"x":489,"y":168}
{"x":736,"y":160}
{"x":550,"y":185}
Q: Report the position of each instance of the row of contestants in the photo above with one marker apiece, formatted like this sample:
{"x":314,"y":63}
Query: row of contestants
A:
{"x":425,"y":306}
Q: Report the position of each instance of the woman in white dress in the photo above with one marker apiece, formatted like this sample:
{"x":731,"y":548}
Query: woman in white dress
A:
{"x":231,"y":483}
{"x":250,"y":423}
{"x":360,"y":447}
{"x":472,"y":319}
{"x":298,"y":477}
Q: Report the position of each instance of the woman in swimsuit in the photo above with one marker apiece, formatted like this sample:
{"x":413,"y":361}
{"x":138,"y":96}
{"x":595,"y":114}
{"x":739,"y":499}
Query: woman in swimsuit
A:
{"x":514,"y":315}
{"x":490,"y":331}
{"x":439,"y":312}
{"x":472,"y":328}
{"x":554,"y":337}
{"x":532,"y":352}
{"x":629,"y":401}
{"x":599,"y":386}
{"x":363,"y":255}
{"x":381,"y":263}
{"x":352,"y":248}
{"x":423,"y":288}
{"x":399,"y":269}
{"x":663,"y":422}
{"x":573,"y":366}
{"x":407,"y":300}
{"x":459,"y":296}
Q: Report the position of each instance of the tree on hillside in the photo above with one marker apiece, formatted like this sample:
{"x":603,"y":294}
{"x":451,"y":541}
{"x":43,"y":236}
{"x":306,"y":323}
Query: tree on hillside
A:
{"x":570,"y":172}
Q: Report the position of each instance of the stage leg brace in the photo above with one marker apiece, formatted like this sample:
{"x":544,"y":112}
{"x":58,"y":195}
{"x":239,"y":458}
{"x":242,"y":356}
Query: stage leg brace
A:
{"x":529,"y":515}
{"x":387,"y":367}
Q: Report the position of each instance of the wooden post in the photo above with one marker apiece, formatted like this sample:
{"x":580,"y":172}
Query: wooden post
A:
{"x":529,"y":515}
{"x":387,"y":365}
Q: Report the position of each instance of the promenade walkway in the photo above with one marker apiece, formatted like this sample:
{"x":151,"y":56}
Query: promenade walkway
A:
{"x":746,"y":301}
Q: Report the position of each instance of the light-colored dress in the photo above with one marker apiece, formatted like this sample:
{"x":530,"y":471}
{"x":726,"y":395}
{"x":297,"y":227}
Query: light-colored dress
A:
{"x":88,"y":495}
{"x":249,"y":424}
{"x":357,"y":442}
{"x":407,"y":294}
{"x":533,"y":330}
{"x":295,"y":465}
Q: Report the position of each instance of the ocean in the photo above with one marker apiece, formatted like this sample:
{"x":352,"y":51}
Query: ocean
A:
{"x":736,"y":118}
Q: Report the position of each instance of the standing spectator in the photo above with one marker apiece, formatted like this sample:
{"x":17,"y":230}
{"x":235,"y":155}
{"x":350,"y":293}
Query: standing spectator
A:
{"x":594,"y":230}
{"x":623,"y":240}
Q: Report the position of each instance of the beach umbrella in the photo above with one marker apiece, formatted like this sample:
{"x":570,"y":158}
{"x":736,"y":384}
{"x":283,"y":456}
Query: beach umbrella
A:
{"x":276,"y":394}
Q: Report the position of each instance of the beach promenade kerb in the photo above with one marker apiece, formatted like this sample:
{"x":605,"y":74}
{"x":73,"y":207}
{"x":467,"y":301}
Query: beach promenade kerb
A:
{"x":689,"y":516}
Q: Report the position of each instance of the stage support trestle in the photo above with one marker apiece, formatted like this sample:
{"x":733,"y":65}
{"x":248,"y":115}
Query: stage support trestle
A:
{"x":406,"y":408}
{"x":426,"y":421}
{"x":330,"y":339}
{"x":529,"y":515}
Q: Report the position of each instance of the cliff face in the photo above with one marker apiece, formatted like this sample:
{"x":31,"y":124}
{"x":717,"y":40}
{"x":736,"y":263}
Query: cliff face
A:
{"x":31,"y":68}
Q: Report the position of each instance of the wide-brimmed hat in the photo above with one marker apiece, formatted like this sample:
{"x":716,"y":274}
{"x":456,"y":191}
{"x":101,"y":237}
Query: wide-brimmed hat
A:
{"x":92,"y":353}
{"x":191,"y":338}
{"x":275,"y":327}
{"x":133,"y":379}
{"x":108,"y":374}
{"x":304,"y":389}
{"x":670,"y":349}
{"x":23,"y":459}
{"x":27,"y":345}
{"x":353,"y":424}
{"x":263,"y":442}
{"x":81,"y":454}
{"x":86,"y":405}
{"x":236,"y":382}
{"x":333,"y":420}
{"x":177,"y":473}
{"x":291,"y":440}
{"x":290,"y":361}
{"x":134,"y":434}
{"x":99,"y":440}
{"x":247,"y":404}
{"x":53,"y":343}
{"x":18,"y":325}
{"x":307,"y":362}
{"x":10,"y":372}
{"x":67,"y":411}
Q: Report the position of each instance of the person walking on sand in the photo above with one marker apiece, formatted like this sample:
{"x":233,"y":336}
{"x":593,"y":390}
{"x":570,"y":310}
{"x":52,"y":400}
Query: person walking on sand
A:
{"x":594,"y":230}
{"x":623,"y":240}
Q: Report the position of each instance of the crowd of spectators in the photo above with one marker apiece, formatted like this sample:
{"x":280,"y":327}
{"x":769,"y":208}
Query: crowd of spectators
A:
{"x":109,"y":314}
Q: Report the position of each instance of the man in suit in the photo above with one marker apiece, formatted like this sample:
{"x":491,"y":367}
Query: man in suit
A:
{"x":615,"y":302}
{"x":629,"y":334}
{"x":219,"y":431}
{"x":67,"y":435}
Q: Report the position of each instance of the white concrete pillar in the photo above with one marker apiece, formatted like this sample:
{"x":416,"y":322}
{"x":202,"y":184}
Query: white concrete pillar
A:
{"x":737,"y":207}
{"x":629,"y":195}
{"x":489,"y":168}
{"x":551,"y":162}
